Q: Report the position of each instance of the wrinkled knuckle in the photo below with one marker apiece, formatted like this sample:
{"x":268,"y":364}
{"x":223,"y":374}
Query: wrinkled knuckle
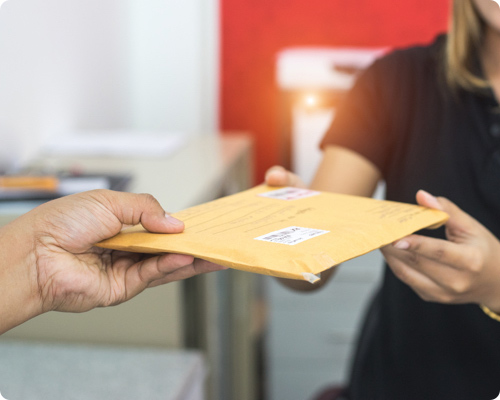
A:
{"x":457,"y":232}
{"x":148,"y":198}
{"x":459,"y":287}
{"x":172,"y":262}
{"x":475,"y":261}
{"x":475,"y":266}
{"x":101,"y":192}
{"x":97,"y":195}
{"x":415,"y":244}
{"x":440,"y":254}
{"x":445,"y":298}
{"x":414,"y":258}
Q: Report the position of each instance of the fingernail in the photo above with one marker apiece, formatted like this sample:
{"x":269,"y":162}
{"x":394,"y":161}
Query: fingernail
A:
{"x":401,"y":244}
{"x":173,"y":221}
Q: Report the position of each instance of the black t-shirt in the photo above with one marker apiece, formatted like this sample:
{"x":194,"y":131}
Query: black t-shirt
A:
{"x":401,"y":116}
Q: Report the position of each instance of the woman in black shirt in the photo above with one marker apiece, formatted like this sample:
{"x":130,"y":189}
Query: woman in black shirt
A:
{"x":428,"y":118}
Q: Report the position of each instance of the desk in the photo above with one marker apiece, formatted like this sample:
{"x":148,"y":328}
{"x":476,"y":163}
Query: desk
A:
{"x":206,"y":168}
{"x":33,"y":371}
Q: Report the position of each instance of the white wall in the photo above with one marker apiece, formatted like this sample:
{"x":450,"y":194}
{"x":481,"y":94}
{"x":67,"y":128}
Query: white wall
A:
{"x":174,"y":53}
{"x":104,"y":64}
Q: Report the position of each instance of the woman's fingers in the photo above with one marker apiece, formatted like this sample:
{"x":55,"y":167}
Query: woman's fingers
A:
{"x":279,"y":176}
{"x":420,"y":249}
{"x":460,"y":226}
{"x":427,"y":288}
{"x":436,"y":269}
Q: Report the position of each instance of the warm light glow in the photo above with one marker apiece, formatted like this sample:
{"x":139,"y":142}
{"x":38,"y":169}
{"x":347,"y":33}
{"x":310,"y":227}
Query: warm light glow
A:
{"x":311,"y":100}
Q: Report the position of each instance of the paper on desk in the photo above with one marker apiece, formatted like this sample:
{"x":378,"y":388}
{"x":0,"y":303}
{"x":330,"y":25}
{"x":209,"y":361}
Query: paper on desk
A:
{"x":288,"y":232}
{"x":115,"y":144}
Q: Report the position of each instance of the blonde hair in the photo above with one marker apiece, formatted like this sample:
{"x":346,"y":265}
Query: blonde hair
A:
{"x":465,"y":37}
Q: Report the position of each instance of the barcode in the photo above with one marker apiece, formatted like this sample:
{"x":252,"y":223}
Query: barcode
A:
{"x":291,"y":235}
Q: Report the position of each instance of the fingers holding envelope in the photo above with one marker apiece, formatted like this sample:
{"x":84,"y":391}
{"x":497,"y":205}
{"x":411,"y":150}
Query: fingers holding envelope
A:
{"x":462,"y":269}
{"x":279,"y":176}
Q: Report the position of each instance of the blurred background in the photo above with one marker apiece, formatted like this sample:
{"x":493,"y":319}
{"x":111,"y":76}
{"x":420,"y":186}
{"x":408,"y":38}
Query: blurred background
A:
{"x":189,"y":101}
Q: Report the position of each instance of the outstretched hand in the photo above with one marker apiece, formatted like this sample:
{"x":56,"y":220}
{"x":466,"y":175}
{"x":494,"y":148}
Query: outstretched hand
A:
{"x":465,"y":268}
{"x":63,"y":270}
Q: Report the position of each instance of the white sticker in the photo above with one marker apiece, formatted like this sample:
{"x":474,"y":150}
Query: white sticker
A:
{"x":290,"y":193}
{"x":292,"y":235}
{"x":311,"y":278}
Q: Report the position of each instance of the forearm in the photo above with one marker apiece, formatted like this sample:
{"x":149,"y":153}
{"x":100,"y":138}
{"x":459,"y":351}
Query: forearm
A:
{"x":18,"y":298}
{"x":344,"y":171}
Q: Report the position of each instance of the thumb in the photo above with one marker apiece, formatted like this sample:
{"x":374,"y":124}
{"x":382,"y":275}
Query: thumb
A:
{"x":460,"y":224}
{"x":279,"y":176}
{"x":132,"y":209}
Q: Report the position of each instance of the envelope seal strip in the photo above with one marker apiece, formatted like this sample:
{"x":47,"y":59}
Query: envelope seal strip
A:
{"x":311,"y":277}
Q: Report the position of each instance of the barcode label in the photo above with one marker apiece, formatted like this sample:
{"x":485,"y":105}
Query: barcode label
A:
{"x":291,"y":235}
{"x":290,"y":193}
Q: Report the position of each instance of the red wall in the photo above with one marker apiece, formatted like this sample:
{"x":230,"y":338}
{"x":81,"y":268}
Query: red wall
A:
{"x":253,"y":31}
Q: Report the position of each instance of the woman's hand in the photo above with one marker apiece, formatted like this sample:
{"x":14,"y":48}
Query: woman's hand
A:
{"x":279,"y":176}
{"x":49,"y":261}
{"x":463,"y":269}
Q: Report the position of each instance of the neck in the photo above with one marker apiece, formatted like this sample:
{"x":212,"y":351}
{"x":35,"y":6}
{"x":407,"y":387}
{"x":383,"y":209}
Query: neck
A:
{"x":490,"y":55}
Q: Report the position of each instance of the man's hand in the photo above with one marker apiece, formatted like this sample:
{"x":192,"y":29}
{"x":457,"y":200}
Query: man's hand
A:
{"x":59,"y":268}
{"x":463,"y":269}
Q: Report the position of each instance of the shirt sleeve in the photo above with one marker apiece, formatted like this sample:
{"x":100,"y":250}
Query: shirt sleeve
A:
{"x":362,"y":122}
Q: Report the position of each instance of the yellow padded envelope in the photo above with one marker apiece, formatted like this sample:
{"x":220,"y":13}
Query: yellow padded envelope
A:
{"x":286,"y":232}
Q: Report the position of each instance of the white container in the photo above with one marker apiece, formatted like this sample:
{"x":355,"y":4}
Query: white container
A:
{"x":312,"y":81}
